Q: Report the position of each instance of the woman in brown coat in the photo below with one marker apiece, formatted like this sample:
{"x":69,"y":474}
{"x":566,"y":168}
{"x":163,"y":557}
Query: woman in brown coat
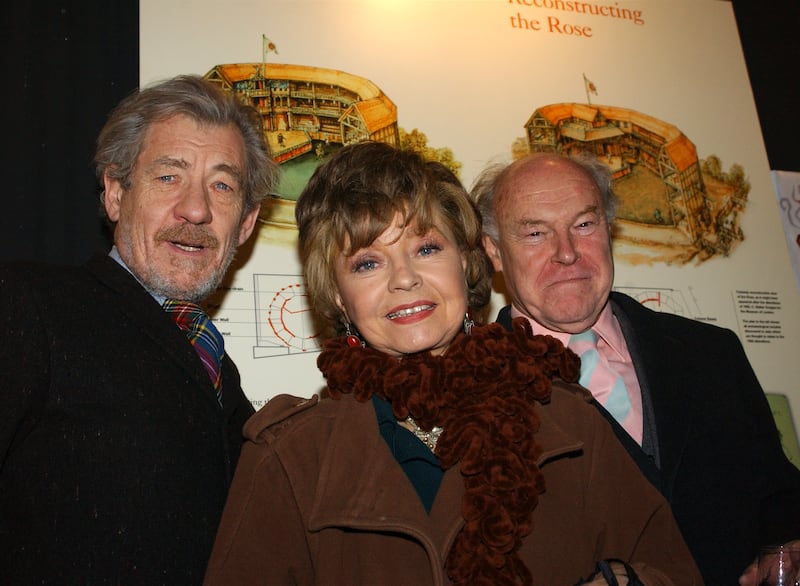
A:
{"x":447,"y":453}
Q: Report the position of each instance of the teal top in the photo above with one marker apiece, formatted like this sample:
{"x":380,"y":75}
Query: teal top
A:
{"x":417,"y":460}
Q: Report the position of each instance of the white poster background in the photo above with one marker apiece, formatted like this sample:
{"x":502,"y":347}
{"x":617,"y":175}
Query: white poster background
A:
{"x":462,"y":73}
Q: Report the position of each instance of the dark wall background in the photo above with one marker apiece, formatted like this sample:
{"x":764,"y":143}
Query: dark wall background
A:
{"x":66,"y":64}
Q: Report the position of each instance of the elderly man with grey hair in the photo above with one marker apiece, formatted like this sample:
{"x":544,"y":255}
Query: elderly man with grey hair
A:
{"x":122,"y":413}
{"x":680,"y":394}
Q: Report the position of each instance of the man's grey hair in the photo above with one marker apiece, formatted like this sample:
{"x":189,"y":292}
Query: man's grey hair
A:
{"x":495,"y":178}
{"x":121,"y":139}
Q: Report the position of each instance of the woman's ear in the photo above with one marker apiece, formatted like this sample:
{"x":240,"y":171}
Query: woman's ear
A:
{"x":338,"y":300}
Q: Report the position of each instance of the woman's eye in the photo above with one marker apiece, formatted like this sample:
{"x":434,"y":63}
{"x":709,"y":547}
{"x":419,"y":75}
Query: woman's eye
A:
{"x":428,"y":249}
{"x":364,"y":265}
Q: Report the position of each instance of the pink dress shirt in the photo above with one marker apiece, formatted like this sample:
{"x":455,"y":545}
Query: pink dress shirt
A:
{"x":616,"y":358}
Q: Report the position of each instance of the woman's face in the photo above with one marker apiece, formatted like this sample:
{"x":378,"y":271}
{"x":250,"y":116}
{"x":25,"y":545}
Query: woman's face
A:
{"x":405,"y":292}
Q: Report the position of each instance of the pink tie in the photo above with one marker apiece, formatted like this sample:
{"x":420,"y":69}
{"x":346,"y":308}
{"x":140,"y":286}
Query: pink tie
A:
{"x":606,"y":385}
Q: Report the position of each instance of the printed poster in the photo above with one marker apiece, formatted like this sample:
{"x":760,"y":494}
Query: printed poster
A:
{"x":659,"y":88}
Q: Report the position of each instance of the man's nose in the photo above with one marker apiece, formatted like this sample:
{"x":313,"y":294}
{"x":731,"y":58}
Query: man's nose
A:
{"x":565,"y":251}
{"x":194,"y":206}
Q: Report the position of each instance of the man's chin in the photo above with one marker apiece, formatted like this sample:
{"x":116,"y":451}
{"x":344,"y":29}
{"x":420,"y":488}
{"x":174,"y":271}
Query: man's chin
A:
{"x":190,"y":279}
{"x":181,"y":288}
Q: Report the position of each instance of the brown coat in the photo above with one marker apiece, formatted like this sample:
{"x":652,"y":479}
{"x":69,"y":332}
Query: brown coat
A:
{"x":318,"y":498}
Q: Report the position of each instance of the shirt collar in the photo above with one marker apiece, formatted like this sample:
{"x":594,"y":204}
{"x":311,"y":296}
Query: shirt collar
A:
{"x":606,"y":327}
{"x":114,"y":253}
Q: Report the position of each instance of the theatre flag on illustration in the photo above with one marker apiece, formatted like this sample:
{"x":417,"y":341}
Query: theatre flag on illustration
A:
{"x":590,"y":89}
{"x":267,"y":47}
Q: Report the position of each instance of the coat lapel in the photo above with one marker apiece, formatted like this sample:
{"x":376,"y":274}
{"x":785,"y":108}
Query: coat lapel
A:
{"x":137,"y":305}
{"x":665,"y":381}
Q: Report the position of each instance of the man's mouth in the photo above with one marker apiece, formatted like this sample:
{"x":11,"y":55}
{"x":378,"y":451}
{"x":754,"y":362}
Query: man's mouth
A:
{"x":409,"y":311}
{"x":189,"y":238}
{"x":188,"y":247}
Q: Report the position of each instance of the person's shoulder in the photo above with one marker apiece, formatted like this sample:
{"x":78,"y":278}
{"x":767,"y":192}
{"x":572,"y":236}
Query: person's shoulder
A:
{"x":277,"y":410}
{"x":29,"y":270}
{"x":38,"y":281}
{"x":54,"y":275}
{"x":565,"y":421}
{"x":674,"y":324}
{"x":571,"y":391}
{"x":570,"y":405}
{"x":285,"y":414}
{"x":570,"y":398}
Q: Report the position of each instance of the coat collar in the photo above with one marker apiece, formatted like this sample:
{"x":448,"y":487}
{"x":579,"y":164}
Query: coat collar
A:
{"x":138,"y":306}
{"x":379,"y":496}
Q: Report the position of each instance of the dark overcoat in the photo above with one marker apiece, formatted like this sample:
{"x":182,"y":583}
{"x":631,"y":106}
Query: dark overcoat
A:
{"x":115,"y":457}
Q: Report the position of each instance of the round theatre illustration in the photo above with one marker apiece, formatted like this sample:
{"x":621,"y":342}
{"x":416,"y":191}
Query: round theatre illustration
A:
{"x":307,"y":112}
{"x":673,"y":205}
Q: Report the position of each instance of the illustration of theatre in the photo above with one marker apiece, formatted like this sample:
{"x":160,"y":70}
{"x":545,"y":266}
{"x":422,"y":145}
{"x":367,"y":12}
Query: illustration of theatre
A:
{"x":666,"y":197}
{"x":310,"y":109}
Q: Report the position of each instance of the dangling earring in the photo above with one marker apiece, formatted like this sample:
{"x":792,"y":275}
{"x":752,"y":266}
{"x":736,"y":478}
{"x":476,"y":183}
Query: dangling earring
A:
{"x":468,"y":323}
{"x":353,"y":339}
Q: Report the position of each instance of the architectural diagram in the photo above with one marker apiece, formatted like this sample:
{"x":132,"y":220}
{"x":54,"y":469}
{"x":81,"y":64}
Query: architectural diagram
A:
{"x":680,"y":207}
{"x":284,"y":325}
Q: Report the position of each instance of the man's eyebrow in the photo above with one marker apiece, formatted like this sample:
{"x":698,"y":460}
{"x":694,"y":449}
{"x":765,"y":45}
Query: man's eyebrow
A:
{"x":533,"y":221}
{"x":529,"y":221}
{"x":170,"y":162}
{"x":177,"y":163}
{"x":231,"y":170}
{"x":590,"y":209}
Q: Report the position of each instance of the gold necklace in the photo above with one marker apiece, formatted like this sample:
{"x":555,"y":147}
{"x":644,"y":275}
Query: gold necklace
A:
{"x":429,"y":438}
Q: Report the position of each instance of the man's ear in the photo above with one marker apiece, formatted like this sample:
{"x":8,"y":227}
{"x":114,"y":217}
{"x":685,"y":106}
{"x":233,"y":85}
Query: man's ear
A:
{"x":493,"y":252}
{"x":112,"y":196}
{"x":248,"y":224}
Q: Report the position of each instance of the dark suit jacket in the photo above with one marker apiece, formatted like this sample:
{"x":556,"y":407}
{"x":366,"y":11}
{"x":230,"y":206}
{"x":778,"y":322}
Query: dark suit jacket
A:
{"x":115,"y":457}
{"x":720,"y":462}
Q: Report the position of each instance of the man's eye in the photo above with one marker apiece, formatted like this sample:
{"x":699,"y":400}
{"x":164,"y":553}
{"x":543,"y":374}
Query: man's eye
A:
{"x":167,"y":178}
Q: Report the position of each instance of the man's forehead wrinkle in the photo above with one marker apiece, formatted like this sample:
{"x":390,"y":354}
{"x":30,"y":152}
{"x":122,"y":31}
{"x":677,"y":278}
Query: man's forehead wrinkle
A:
{"x":558,"y":189}
{"x":532,"y":219}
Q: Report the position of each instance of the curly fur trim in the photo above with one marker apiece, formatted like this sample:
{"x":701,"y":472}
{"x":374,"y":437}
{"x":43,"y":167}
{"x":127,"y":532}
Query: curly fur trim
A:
{"x":482,"y":391}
